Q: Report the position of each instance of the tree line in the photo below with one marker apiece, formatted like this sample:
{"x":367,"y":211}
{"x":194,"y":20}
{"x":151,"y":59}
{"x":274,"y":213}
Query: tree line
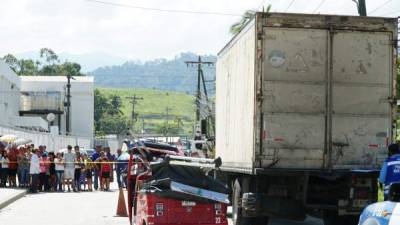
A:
{"x":48,"y":65}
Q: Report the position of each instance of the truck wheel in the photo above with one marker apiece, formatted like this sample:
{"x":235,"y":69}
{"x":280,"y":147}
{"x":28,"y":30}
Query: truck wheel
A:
{"x":237,"y":217}
{"x":331,"y":218}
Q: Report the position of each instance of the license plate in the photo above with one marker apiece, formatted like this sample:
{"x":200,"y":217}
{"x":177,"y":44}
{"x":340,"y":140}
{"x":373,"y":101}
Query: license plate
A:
{"x":188,"y":203}
{"x":360,"y":203}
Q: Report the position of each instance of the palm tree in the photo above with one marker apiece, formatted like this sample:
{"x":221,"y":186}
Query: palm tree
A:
{"x":246,"y":18}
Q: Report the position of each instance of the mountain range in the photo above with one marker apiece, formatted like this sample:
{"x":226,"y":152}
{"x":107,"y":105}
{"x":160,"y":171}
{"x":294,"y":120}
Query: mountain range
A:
{"x":161,"y":74}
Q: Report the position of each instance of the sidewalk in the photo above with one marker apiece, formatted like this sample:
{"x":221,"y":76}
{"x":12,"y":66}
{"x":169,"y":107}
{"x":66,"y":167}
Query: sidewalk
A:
{"x":10,"y":195}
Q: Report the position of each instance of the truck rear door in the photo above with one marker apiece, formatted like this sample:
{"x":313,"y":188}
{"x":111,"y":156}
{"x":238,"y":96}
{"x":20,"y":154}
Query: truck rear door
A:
{"x":294,"y":90}
{"x":361,"y":96}
{"x":327,"y":97}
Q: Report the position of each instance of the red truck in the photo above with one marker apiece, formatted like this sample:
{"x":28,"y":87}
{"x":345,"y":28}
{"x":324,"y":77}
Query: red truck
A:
{"x":175,"y":190}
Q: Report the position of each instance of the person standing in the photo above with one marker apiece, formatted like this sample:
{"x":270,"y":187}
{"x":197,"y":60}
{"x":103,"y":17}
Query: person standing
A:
{"x":59,"y":166}
{"x":69,"y":171}
{"x":52,"y":172}
{"x":12,"y":166}
{"x":96,"y":167}
{"x":44,"y":173}
{"x":121,"y":168}
{"x":111,"y":159}
{"x":88,"y":171}
{"x":4,"y":168}
{"x":390,"y":172}
{"x":78,"y":169}
{"x":34,"y":170}
{"x":105,"y":173}
{"x":23,"y":167}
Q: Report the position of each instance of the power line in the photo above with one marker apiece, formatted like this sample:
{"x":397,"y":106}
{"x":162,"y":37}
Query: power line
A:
{"x":379,"y":7}
{"x":390,"y":13}
{"x":163,"y":10}
{"x":290,"y":4}
{"x":319,"y":5}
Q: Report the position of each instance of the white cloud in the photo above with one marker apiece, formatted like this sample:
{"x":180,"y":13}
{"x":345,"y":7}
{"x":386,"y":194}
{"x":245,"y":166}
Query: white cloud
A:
{"x":79,"y":26}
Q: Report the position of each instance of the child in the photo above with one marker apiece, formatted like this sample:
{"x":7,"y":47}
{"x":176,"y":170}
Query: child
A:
{"x":88,"y":172}
{"x":105,"y":174}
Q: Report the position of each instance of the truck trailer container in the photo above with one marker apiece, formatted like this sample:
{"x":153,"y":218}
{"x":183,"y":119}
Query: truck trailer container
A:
{"x":305,"y":110}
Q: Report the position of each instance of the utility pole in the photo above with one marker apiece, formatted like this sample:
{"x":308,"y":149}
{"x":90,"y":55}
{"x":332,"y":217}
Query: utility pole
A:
{"x":167,"y":124}
{"x":361,"y":7}
{"x":200,"y":77}
{"x":134,"y":114}
{"x":68,"y":105}
{"x":143,"y":130}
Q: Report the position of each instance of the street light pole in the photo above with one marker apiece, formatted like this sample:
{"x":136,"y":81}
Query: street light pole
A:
{"x":68,"y":105}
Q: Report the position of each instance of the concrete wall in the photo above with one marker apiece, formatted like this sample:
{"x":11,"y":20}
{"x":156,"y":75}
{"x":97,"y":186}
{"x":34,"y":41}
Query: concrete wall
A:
{"x":53,"y":142}
{"x":82,"y":99}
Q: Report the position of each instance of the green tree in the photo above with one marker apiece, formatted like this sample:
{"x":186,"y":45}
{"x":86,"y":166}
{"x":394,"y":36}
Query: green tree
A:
{"x":100,"y":108}
{"x":70,"y":68}
{"x":115,"y":105}
{"x":50,"y":67}
{"x":108,"y":117}
{"x":27,"y":67}
{"x":114,"y":124}
{"x":49,"y":55}
{"x":246,"y":18}
{"x":12,"y":61}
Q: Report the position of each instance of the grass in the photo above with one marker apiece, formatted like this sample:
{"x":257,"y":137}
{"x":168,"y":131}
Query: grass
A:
{"x":153,"y":107}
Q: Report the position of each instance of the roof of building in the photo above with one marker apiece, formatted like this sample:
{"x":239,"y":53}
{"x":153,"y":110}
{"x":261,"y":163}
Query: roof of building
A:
{"x":82,"y":79}
{"x":8,"y":74}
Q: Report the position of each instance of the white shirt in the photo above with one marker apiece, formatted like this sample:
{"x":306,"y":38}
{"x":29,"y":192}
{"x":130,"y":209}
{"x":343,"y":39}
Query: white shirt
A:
{"x":35,"y":165}
{"x":59,"y":164}
{"x":69,"y":159}
{"x":4,"y":162}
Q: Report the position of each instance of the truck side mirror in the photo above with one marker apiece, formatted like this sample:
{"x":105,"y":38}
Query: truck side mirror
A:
{"x":394,"y":192}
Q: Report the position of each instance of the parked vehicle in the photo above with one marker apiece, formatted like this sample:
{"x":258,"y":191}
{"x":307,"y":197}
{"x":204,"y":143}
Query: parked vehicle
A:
{"x":383,"y":213}
{"x":305,"y":106}
{"x":172,"y":192}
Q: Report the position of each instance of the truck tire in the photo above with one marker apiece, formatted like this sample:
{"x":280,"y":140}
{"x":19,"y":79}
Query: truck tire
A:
{"x":331,"y":218}
{"x":237,"y":217}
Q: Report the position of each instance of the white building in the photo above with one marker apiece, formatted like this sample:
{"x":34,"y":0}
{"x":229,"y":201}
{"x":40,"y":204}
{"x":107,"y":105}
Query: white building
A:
{"x":43,"y":95}
{"x":10,"y":85}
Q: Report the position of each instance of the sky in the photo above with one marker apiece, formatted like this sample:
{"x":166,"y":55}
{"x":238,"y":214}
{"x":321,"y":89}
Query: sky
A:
{"x":87,"y":27}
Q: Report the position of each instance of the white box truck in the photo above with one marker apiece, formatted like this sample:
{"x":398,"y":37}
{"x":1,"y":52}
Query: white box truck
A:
{"x":305,"y":109}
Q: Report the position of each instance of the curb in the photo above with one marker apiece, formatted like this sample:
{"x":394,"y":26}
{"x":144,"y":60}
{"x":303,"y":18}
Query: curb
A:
{"x":12,"y":199}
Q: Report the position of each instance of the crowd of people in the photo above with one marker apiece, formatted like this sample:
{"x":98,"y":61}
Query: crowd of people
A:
{"x":41,"y":170}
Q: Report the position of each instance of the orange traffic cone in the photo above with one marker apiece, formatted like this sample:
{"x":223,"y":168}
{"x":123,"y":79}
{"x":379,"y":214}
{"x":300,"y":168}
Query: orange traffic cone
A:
{"x":121,"y":207}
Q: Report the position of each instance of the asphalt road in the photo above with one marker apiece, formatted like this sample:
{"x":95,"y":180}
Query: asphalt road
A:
{"x":308,"y":221}
{"x":84,"y":208}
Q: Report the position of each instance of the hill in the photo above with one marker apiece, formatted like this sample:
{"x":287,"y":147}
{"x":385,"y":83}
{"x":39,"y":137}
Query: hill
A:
{"x":152,"y":109}
{"x":162,"y":74}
